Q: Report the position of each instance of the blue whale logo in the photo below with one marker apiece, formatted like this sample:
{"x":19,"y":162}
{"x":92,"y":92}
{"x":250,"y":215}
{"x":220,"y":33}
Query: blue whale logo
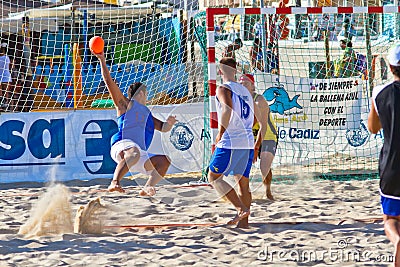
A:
{"x":282,"y":101}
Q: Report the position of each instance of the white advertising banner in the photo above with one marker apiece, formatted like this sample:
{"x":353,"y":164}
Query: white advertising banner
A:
{"x":324,"y":104}
{"x":67,"y":145}
{"x":315,"y":119}
{"x":318,"y":117}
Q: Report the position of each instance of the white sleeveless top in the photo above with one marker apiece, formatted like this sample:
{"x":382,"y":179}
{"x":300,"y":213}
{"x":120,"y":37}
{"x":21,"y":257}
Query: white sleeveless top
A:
{"x":239,"y":134}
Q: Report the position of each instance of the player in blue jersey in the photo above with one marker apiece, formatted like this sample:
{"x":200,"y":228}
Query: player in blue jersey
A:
{"x":136,"y":127}
{"x":384,"y":114}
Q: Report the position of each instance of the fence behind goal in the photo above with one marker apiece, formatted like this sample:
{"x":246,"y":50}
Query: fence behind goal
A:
{"x":52,"y":67}
{"x":316,"y":67}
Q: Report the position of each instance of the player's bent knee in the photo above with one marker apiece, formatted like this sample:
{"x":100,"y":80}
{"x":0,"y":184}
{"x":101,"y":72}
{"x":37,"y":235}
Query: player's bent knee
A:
{"x":166,"y":160}
{"x":212,"y":176}
{"x":132,"y":152}
{"x":160,"y":161}
{"x":132,"y":155}
{"x":221,"y":186}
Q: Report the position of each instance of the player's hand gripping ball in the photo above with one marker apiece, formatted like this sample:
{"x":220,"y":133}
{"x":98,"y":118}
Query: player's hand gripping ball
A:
{"x":96,"y":44}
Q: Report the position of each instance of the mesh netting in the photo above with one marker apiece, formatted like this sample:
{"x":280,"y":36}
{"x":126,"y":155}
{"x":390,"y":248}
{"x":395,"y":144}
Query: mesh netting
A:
{"x":164,"y":45}
{"x":317,"y":72}
{"x":51,"y":66}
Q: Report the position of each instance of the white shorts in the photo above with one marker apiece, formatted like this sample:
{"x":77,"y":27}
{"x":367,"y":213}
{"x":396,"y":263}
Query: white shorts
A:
{"x":125,"y":144}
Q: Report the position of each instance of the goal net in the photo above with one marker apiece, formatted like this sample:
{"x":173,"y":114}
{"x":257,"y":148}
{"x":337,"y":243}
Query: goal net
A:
{"x":46,"y":65}
{"x":316,"y":67}
{"x":51,"y":65}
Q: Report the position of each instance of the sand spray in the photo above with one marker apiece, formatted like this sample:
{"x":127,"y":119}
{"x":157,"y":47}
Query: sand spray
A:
{"x":52,"y":214}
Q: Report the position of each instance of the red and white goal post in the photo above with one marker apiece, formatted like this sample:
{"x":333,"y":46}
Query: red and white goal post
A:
{"x":298,"y":55}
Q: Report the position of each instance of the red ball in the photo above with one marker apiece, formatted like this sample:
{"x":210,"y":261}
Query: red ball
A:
{"x":96,"y":44}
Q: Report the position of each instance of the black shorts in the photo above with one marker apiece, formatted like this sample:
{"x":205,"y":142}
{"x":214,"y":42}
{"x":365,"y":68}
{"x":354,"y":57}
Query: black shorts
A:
{"x":268,"y":146}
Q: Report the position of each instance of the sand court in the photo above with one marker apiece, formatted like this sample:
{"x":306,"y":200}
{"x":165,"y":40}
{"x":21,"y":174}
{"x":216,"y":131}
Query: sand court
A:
{"x":185,"y":225}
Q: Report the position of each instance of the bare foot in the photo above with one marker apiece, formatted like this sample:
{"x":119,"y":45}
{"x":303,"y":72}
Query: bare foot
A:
{"x":147,"y":191}
{"x":115,"y":186}
{"x":241,"y":215}
{"x":269,"y":194}
{"x":397,"y":255}
{"x":243,"y":223}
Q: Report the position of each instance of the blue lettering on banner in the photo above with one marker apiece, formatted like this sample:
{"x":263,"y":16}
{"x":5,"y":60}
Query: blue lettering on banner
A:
{"x":296,"y":133}
{"x":282,"y":133}
{"x":205,"y":134}
{"x":56,"y":129}
{"x":14,"y":146}
{"x":303,"y":133}
{"x":15,"y":143}
{"x":100,"y":146}
{"x":379,"y":135}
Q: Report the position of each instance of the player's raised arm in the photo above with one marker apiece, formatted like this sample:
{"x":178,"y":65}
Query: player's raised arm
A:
{"x":120,"y":101}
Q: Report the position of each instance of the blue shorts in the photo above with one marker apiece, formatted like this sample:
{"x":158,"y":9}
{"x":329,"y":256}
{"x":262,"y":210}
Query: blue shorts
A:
{"x":390,"y":206}
{"x":232,"y":161}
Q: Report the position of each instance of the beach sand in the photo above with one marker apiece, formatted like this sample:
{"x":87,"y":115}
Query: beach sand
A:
{"x":311,"y":223}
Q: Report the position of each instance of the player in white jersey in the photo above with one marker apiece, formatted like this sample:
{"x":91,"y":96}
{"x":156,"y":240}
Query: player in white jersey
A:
{"x":234,"y":141}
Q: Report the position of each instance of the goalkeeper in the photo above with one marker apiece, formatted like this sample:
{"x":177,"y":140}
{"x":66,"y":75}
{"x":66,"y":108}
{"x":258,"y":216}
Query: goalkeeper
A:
{"x":136,"y":127}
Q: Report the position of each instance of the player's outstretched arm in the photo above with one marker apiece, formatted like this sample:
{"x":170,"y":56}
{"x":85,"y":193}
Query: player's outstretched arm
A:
{"x":120,"y":101}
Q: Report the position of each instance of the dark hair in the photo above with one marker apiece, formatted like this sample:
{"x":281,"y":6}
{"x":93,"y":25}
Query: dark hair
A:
{"x":25,"y":19}
{"x":396,"y":70}
{"x":135,"y":88}
{"x":349,"y":44}
{"x":257,"y":41}
{"x":238,"y":41}
{"x":228,"y":61}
